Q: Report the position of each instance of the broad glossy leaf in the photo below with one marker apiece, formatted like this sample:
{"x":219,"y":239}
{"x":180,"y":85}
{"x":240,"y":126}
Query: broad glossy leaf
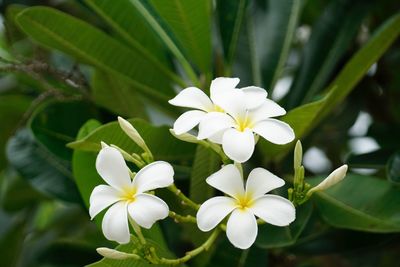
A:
{"x":360,"y":203}
{"x":305,"y":118}
{"x":230,"y":19}
{"x":46,"y":172}
{"x":375,"y":159}
{"x":77,"y":38}
{"x":278,"y":26}
{"x":189,"y":22}
{"x":270,"y":236}
{"x":393,"y":168}
{"x":160,"y":141}
{"x":12,"y":108}
{"x":116,"y":95}
{"x":54,"y":124}
{"x":330,"y":39}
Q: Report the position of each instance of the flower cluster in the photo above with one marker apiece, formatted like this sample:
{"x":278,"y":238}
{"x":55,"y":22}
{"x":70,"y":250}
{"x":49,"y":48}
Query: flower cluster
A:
{"x":231,"y":119}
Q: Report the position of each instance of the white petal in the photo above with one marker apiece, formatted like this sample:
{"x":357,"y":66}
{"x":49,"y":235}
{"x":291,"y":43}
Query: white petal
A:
{"x":213,"y":123}
{"x":146,"y":209}
{"x":213,"y":211}
{"x":275,"y":210}
{"x":221,"y":84}
{"x":155,"y":175}
{"x":233,"y":102}
{"x":267,"y":110}
{"x":115,"y":223}
{"x":111,"y":166}
{"x":227,"y":180}
{"x":254,"y":96}
{"x":102,"y":196}
{"x":187,"y":121}
{"x":192,"y":97}
{"x":237,"y":145}
{"x":261,"y":181}
{"x":241,"y":228}
{"x":275,"y":131}
{"x":335,"y":177}
{"x":217,"y":138}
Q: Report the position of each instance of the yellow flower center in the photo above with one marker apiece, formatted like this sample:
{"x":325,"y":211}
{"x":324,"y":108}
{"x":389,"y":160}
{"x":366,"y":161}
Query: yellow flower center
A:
{"x":218,"y":108}
{"x":243,"y":123}
{"x":129,"y":194}
{"x":243,"y":202}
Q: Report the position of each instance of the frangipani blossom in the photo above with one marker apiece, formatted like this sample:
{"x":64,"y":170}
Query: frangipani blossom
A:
{"x":243,"y":204}
{"x":127,"y":198}
{"x":193,"y":97}
{"x":235,"y":129}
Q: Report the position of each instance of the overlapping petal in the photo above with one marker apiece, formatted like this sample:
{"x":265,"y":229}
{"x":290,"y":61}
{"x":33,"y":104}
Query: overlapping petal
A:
{"x":192,"y":97}
{"x":238,"y":145}
{"x":112,"y":168}
{"x":254,"y":96}
{"x":261,"y":181}
{"x":187,"y":121}
{"x":275,"y":131}
{"x":241,"y":228}
{"x":275,"y":210}
{"x":213,"y":123}
{"x":227,"y":180}
{"x":146,"y":209}
{"x":267,"y":110}
{"x":213,"y":211}
{"x":115,"y":223}
{"x":221,"y":85}
{"x":155,"y":175}
{"x":102,"y":196}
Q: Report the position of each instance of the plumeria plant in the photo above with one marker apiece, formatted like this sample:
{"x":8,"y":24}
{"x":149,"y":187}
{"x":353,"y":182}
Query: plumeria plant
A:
{"x":230,"y":122}
{"x":139,"y":133}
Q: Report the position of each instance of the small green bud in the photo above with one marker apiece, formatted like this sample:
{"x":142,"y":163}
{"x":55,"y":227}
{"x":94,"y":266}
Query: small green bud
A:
{"x":115,"y":254}
{"x":298,"y":155}
{"x":132,"y":133}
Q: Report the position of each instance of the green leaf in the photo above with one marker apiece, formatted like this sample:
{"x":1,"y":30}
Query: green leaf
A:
{"x":54,"y":124}
{"x":305,"y":118}
{"x":189,"y":22}
{"x":12,"y":108}
{"x":393,"y":168}
{"x":123,"y":17}
{"x":41,"y":168}
{"x":230,"y":19}
{"x":375,"y":159}
{"x":162,"y":144}
{"x":270,"y":236}
{"x":360,"y":203}
{"x":116,"y":95}
{"x":329,"y":41}
{"x":280,"y":23}
{"x":75,"y":37}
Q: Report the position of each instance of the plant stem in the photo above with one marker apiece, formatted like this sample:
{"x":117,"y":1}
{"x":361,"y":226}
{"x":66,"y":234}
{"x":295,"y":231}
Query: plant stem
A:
{"x":138,"y":231}
{"x":182,"y":218}
{"x":185,"y":199}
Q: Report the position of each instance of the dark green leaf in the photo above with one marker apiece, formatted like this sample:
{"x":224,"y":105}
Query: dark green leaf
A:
{"x":46,"y":172}
{"x":375,"y":159}
{"x":304,"y":118}
{"x":279,"y":25}
{"x":393,"y":168}
{"x":270,"y":236}
{"x":63,"y":32}
{"x":360,"y":203}
{"x":329,"y":41}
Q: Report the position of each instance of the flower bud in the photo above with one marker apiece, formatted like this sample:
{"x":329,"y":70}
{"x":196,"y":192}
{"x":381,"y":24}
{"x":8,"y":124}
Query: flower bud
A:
{"x":132,"y":133}
{"x":335,"y":177}
{"x":115,"y":254}
{"x":185,"y":137}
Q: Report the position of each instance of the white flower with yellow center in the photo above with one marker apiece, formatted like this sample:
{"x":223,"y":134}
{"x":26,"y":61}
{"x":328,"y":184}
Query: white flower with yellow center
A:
{"x":127,"y":197}
{"x":193,"y":97}
{"x":235,"y":128}
{"x":243,"y":204}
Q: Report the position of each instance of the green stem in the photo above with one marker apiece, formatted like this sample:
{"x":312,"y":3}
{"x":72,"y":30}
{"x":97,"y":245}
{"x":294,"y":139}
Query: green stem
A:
{"x":135,"y":160}
{"x":185,"y":199}
{"x":190,"y":254}
{"x":181,"y":218}
{"x":138,"y":231}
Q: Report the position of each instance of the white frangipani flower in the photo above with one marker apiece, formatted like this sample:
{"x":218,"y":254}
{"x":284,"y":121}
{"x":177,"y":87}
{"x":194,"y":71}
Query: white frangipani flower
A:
{"x":335,"y":177}
{"x":193,"y":97}
{"x":235,"y":129}
{"x":244,"y":204}
{"x":127,"y":197}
